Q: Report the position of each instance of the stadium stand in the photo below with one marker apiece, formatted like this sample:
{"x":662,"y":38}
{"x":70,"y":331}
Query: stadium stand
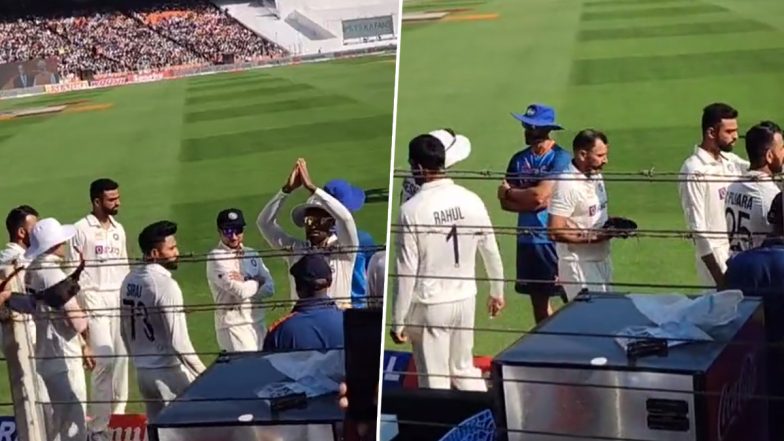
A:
{"x":131,"y":36}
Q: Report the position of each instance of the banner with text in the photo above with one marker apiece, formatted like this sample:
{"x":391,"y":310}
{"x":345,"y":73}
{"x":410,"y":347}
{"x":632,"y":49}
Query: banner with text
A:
{"x":368,"y":27}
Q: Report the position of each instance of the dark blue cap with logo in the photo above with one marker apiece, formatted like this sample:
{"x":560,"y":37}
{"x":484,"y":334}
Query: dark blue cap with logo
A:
{"x":231,"y":218}
{"x":311,"y":272}
{"x":538,"y":115}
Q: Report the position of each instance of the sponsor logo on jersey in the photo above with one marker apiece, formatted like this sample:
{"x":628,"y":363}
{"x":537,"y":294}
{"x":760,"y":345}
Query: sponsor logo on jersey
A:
{"x":722,"y":193}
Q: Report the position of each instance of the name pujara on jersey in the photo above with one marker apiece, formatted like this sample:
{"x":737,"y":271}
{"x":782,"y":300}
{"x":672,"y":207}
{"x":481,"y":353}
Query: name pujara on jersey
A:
{"x":741,"y":200}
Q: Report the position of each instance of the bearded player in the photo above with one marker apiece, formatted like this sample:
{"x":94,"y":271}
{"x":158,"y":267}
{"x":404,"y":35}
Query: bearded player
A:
{"x":748,"y":200}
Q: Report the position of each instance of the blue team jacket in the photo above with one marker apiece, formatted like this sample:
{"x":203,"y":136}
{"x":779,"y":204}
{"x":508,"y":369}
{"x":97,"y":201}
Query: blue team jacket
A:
{"x":313,"y":324}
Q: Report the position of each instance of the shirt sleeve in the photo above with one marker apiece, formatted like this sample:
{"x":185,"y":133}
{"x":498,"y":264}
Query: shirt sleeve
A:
{"x":267,"y":222}
{"x":269,"y":283}
{"x":77,"y":241}
{"x":511,"y":172}
{"x":562,"y":162}
{"x":174,"y":318}
{"x":407,"y":267}
{"x":218,"y":269}
{"x":563,"y":201}
{"x":344,"y":220}
{"x":488,"y":249}
{"x":692,"y":192}
{"x":375,"y":274}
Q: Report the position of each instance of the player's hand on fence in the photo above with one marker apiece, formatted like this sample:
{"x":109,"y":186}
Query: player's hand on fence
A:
{"x":399,"y":337}
{"x":294,"y":180}
{"x":495,"y":305}
{"x":88,"y":358}
{"x":303,"y":172}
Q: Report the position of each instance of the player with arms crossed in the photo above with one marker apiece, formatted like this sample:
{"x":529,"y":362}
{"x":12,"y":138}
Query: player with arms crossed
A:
{"x":102,"y":239}
{"x":435,"y":295}
{"x":748,"y":200}
{"x":154,"y":327}
{"x":578,"y":209}
{"x":705,"y":176}
{"x":527,"y":194}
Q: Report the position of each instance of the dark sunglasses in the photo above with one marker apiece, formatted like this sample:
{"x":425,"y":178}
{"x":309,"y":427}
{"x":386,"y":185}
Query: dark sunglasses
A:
{"x":313,"y":221}
{"x":228,"y":232}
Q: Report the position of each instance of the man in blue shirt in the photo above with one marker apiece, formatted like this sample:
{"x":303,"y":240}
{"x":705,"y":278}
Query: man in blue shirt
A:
{"x":315,"y":322}
{"x":759,"y":272}
{"x":353,"y":198}
{"x":526,"y":191}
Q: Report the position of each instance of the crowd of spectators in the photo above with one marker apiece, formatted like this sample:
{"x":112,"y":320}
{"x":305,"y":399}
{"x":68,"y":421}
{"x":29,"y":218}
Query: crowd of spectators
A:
{"x":136,"y":37}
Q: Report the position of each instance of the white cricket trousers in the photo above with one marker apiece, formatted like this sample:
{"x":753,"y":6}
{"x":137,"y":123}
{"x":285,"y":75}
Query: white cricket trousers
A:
{"x":241,"y":338}
{"x":69,"y":388}
{"x":110,"y":376}
{"x":442,"y":353}
{"x":722,"y":254}
{"x":161,"y":385}
{"x":579,"y":274}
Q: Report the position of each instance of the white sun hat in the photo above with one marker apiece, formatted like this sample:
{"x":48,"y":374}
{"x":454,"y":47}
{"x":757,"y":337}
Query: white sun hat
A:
{"x":46,"y":234}
{"x":457,"y":147}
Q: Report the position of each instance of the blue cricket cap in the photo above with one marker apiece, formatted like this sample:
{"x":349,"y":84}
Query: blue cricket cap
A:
{"x":353,"y":198}
{"x":538,"y":115}
{"x":311,"y":272}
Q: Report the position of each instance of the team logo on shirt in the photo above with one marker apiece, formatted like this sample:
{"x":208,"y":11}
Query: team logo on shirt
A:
{"x":722,"y":193}
{"x":592,"y":210}
{"x":116,"y":236}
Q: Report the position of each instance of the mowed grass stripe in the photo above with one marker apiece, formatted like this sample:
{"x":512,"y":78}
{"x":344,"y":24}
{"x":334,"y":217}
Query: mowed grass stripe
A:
{"x":303,"y":103}
{"x":228,"y":77}
{"x":674,"y":30}
{"x":631,"y":69}
{"x":652,"y":12}
{"x":245,"y":92}
{"x":245,"y":82}
{"x":282,"y":138}
{"x":604,"y":3}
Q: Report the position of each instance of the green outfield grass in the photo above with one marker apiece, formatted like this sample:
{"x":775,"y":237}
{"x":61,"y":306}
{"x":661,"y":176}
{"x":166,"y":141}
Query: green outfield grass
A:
{"x":185,"y":149}
{"x":641,"y":70}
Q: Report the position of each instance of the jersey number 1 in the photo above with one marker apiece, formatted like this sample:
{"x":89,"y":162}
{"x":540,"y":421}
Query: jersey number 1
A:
{"x":455,"y":246}
{"x":138,"y":308}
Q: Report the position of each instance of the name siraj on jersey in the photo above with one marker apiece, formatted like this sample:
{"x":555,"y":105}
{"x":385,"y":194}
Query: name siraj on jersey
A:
{"x":740,"y":200}
{"x":448,"y":216}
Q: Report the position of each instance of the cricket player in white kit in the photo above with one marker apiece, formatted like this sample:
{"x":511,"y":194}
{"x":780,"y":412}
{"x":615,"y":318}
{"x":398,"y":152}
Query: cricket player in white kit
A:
{"x":376,"y":277}
{"x":237,"y":277}
{"x":19,"y":223}
{"x":154,"y":327}
{"x":748,"y":200}
{"x":458,"y":150}
{"x":578,"y":208}
{"x":102,"y":240}
{"x":443,"y":226}
{"x":328,"y":225}
{"x":59,"y":346}
{"x":705,"y":176}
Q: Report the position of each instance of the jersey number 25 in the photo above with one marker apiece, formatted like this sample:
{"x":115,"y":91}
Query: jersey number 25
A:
{"x":740,"y":236}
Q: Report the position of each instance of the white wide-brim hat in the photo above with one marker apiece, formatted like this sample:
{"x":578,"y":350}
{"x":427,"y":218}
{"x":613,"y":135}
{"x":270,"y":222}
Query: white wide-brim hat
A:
{"x":457,"y":147}
{"x":46,"y":234}
{"x":298,"y":212}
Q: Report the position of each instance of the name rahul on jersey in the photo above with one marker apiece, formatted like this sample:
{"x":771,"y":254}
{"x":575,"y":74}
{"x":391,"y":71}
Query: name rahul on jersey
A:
{"x":448,"y":216}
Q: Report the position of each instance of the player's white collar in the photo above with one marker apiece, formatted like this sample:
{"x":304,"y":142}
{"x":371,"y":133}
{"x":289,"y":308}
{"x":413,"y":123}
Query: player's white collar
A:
{"x":158,"y":268}
{"x":707,"y":158}
{"x":436,"y":183}
{"x":94,"y":222}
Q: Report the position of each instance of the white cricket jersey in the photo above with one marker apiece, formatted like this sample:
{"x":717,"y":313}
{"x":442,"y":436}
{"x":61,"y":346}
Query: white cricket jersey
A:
{"x":238,"y":297}
{"x":105,"y":251}
{"x":582,"y":200}
{"x":153,"y":322}
{"x":746,"y":210}
{"x":342,"y":263}
{"x":55,"y":335}
{"x":410,"y":188}
{"x":442,"y":228}
{"x":702,"y":198}
{"x":376,"y":274}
